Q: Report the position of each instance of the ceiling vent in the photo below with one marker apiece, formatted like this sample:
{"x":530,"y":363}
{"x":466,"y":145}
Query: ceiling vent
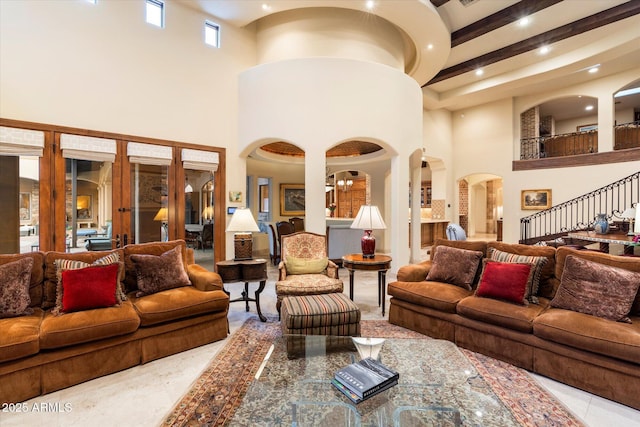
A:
{"x":466,"y":3}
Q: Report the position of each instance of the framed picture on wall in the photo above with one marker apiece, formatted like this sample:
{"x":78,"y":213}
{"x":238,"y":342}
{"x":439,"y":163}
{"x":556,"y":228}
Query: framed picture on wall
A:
{"x":535,"y":199}
{"x":292,"y":201}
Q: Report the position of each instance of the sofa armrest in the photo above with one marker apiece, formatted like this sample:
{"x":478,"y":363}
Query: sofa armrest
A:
{"x":204,"y":279}
{"x":332,"y":270}
{"x":414,"y":272}
{"x":282,"y":271}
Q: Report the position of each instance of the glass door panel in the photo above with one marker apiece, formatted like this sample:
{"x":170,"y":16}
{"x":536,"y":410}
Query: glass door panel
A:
{"x":88,"y":204}
{"x":20,"y":194}
{"x":149,"y":203}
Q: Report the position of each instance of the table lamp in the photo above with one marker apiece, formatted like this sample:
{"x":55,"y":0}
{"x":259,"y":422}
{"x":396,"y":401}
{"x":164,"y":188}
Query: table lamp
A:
{"x":242,"y":223}
{"x":630,"y":214}
{"x":368,"y":219}
{"x":163,"y":216}
{"x":636,"y":228}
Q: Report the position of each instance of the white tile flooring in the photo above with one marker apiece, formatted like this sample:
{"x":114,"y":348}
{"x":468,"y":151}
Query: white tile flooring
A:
{"x":143,"y":395}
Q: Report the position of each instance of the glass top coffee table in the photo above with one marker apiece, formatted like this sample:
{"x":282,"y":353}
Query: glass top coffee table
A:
{"x":438,"y":386}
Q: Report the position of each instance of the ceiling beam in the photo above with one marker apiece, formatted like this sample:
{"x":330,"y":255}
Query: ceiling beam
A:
{"x":575,"y":28}
{"x":499,"y":19}
{"x":438,"y":3}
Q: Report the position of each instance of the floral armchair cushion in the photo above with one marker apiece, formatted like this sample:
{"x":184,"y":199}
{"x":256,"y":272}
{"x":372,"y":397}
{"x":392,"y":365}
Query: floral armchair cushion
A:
{"x":305,"y":245}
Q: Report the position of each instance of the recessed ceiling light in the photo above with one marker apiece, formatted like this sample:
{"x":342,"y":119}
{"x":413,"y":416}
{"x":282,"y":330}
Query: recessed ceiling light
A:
{"x":594,"y":69}
{"x":479,"y":72}
{"x":524,"y":21}
{"x":429,"y":46}
{"x":544,"y":50}
{"x":266,"y":7}
{"x":370,"y":4}
{"x":588,"y":107}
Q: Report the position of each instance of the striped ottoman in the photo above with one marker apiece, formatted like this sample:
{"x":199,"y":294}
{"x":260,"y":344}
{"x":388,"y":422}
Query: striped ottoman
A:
{"x":326,"y":314}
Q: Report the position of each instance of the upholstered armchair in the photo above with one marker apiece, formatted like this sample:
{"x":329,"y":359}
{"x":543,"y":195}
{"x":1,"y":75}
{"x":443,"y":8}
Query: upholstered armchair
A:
{"x":304,"y":268}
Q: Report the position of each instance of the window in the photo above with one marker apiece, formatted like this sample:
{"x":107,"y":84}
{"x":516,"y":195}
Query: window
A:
{"x":211,"y":34}
{"x":155,"y":13}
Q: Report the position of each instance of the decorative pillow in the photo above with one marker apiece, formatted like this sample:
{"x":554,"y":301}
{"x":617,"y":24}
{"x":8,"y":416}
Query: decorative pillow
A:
{"x":455,"y":266}
{"x":305,"y":265}
{"x":505,"y":280}
{"x":14,"y":288}
{"x":537,"y":262}
{"x":159,"y":273}
{"x":597,"y":289}
{"x":63,"y":265}
{"x":90,"y":287}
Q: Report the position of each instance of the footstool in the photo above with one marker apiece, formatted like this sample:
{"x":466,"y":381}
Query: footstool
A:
{"x":333,"y":315}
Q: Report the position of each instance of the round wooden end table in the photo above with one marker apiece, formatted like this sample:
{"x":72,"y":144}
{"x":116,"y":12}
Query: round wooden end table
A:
{"x":253,"y":270}
{"x":379,"y":263}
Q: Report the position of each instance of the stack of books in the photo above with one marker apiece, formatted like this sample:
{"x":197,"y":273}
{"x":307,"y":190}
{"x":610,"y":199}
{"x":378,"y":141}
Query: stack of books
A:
{"x":364,"y":379}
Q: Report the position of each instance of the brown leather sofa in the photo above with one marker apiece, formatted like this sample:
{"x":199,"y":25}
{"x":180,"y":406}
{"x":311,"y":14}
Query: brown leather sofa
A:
{"x":588,"y":352}
{"x":42,"y":352}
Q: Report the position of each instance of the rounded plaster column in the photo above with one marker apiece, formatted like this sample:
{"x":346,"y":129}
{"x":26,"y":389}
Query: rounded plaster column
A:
{"x":330,"y":75}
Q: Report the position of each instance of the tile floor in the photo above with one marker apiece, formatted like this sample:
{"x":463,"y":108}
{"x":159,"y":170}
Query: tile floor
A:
{"x":143,"y":395}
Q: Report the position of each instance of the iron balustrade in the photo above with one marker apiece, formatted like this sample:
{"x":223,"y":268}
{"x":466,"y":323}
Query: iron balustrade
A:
{"x":580,"y":213}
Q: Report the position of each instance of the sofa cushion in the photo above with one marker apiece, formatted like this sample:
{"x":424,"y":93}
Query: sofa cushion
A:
{"x":455,"y":266}
{"x":178,"y":303}
{"x":436,"y":295}
{"x":51,"y":273}
{"x":63,"y":265}
{"x":305,"y":265}
{"x":88,"y":325}
{"x":308,"y":284}
{"x":90,"y":287}
{"x":597,"y":289}
{"x":628,"y":263}
{"x":590,"y":333}
{"x":151,"y":248}
{"x":537,"y":262}
{"x":159,"y":273}
{"x":548,"y":283}
{"x":501,"y":313}
{"x":14,"y":288}
{"x":37,"y":274}
{"x":506,"y":281}
{"x":20,"y":336}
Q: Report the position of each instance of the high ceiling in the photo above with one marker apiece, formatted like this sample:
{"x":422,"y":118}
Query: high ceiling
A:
{"x":467,"y":35}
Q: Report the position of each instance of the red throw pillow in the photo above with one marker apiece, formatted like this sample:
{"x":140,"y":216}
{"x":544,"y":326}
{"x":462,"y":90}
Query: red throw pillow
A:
{"x":505,"y":281}
{"x":89,"y":287}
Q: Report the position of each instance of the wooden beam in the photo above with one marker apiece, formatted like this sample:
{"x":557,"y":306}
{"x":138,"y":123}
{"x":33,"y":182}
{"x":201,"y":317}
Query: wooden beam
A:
{"x":438,"y":3}
{"x":499,"y":19}
{"x":583,"y":25}
{"x":618,"y":156}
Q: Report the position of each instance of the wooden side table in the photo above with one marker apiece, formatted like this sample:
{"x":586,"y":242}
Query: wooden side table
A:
{"x":379,"y":263}
{"x":252,"y":270}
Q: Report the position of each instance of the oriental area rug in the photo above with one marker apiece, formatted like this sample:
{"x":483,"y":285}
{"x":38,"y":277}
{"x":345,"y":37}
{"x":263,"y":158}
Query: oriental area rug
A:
{"x":217,"y":394}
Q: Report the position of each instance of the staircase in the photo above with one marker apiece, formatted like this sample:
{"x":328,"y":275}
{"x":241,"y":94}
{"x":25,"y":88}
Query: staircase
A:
{"x":580,"y":213}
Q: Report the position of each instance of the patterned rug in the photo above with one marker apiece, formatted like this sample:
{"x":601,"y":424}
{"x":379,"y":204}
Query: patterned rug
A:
{"x":218,"y":392}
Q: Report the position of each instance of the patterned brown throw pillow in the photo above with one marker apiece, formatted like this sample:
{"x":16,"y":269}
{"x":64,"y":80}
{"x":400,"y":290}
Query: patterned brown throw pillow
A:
{"x":597,"y":289}
{"x":455,"y":266}
{"x":159,"y":273}
{"x":14,"y":288}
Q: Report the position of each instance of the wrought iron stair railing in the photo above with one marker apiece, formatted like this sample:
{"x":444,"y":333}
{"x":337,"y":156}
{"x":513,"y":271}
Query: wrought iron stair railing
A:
{"x":580,"y":213}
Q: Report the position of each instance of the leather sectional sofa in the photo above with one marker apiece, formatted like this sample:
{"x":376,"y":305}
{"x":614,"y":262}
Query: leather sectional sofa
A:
{"x":41,"y":352}
{"x":589,"y":352}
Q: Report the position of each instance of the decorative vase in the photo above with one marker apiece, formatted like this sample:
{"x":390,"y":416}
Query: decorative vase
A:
{"x":601,"y":225}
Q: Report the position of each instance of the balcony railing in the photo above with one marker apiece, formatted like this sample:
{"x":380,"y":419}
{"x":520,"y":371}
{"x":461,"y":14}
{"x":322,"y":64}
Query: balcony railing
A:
{"x":580,"y":213}
{"x":627,"y":135}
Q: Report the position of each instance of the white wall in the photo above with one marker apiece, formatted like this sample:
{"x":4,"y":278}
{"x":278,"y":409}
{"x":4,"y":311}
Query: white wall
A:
{"x":102,"y":67}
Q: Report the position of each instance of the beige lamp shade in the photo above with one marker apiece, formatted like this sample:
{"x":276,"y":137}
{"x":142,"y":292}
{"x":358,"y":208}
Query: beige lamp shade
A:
{"x":636,"y":228}
{"x":368,"y":218}
{"x":162,"y":215}
{"x":242,"y":221}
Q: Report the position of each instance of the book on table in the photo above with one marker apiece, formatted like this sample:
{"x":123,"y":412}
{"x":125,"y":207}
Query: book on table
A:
{"x":365,"y":378}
